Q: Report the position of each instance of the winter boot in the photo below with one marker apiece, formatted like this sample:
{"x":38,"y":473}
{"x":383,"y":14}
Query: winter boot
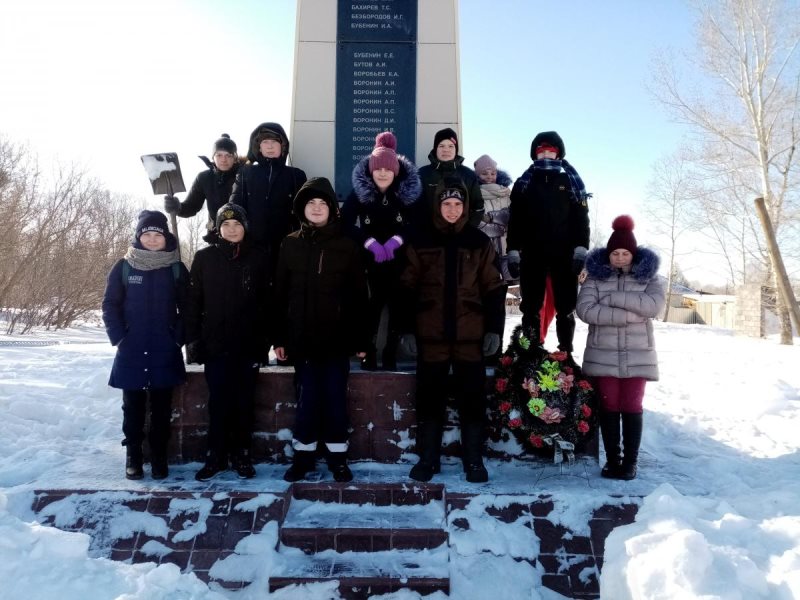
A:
{"x":531,"y":328}
{"x":609,"y":429}
{"x":159,"y":468}
{"x":133,"y":461}
{"x":631,"y":439}
{"x":337,"y":465}
{"x":243,"y":465}
{"x":370,"y":361}
{"x":214,"y":464}
{"x":429,"y":446}
{"x":565,"y":331}
{"x":303,"y":462}
{"x":472,"y":452}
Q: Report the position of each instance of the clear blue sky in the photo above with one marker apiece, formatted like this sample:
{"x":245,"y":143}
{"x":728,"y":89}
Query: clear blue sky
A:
{"x":102,"y":83}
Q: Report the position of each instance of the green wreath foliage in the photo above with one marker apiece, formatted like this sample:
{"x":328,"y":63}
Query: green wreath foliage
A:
{"x":541,"y":396}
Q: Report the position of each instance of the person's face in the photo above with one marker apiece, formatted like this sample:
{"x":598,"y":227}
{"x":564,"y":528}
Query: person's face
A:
{"x":446,"y":150}
{"x":270,"y":148}
{"x":547,"y":152}
{"x":231,"y":230}
{"x":488,"y":175}
{"x":223,"y":160}
{"x":383,"y":178}
{"x":452,"y":209}
{"x":620,"y":258}
{"x":317,"y":212}
{"x":152,"y":240}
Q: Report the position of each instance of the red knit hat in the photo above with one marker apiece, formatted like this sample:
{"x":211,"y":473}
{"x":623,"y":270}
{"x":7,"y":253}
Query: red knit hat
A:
{"x":622,"y":238}
{"x":545,"y":147}
{"x":384,"y":156}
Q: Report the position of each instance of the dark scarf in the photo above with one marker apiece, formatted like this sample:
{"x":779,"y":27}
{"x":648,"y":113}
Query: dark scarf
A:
{"x":579,"y":193}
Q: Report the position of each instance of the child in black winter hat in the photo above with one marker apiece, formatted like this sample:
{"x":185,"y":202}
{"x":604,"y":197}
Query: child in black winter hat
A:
{"x":319,"y":325}
{"x":143,"y":303}
{"x":227,"y":332}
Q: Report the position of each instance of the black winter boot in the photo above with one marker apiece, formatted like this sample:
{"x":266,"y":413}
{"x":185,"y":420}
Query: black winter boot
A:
{"x":243,"y":465}
{"x":370,"y":361}
{"x":609,"y":429}
{"x":337,"y":465}
{"x":429,"y":446}
{"x":303,"y":462}
{"x":532,"y":327}
{"x":159,"y":468}
{"x":133,"y":461}
{"x":472,"y":439}
{"x":565,"y":331}
{"x":631,"y":439}
{"x":214,"y":464}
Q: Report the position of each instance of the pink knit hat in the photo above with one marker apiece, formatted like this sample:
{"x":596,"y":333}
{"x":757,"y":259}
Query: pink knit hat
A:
{"x":384,"y":155}
{"x":484,"y":162}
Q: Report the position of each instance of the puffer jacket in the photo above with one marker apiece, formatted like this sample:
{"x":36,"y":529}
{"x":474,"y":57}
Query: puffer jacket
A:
{"x":143,"y":319}
{"x":433,"y":177}
{"x":381,"y":216}
{"x":265,"y":188}
{"x":212,"y":187}
{"x":229,"y":302}
{"x":320,"y":286}
{"x":496,"y":200}
{"x":452,"y":292}
{"x":619,"y":308}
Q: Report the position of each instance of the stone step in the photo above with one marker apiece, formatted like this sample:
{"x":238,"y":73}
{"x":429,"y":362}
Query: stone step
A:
{"x":365,"y":574}
{"x":316,"y":526}
{"x":378,"y":494}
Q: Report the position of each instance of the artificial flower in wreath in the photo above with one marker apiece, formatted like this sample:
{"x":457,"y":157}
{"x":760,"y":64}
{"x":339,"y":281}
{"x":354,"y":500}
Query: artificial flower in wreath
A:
{"x":542,"y":397}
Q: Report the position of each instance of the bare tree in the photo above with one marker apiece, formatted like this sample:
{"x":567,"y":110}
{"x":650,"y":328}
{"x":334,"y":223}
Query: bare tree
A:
{"x":58,"y":244}
{"x":674,"y":196}
{"x":745,"y":115}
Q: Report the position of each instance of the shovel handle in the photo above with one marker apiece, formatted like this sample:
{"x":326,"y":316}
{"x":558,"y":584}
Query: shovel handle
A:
{"x":173,"y":221}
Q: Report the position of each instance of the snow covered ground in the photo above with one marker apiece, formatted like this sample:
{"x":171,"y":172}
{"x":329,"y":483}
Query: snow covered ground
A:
{"x":720,"y":473}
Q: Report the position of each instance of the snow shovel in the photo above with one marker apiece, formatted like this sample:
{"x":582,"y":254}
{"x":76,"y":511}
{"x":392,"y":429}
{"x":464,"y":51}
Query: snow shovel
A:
{"x":164,"y":171}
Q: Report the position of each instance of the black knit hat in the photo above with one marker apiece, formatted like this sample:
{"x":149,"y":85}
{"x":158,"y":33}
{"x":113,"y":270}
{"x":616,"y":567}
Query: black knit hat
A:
{"x":445,"y":134}
{"x":551,"y":138}
{"x":225,"y":144}
{"x":151,"y":220}
{"x":231,"y":211}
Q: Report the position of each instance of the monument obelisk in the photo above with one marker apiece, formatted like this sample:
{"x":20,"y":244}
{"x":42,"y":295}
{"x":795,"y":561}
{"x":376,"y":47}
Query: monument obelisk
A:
{"x":365,"y":67}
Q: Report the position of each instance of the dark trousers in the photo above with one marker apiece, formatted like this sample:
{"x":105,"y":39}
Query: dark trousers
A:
{"x":383,"y":279}
{"x":534,"y":270}
{"x":134,"y":411}
{"x":321,"y":388}
{"x":231,"y":389}
{"x":468,"y":388}
{"x":620,"y":395}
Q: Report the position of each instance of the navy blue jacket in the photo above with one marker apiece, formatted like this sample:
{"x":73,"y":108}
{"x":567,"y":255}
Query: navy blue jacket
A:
{"x":143,"y":321}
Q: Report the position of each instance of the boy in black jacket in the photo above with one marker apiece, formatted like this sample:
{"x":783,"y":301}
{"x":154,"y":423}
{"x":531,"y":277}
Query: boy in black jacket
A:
{"x":548,"y":234}
{"x":226,"y":329}
{"x":321,"y":300}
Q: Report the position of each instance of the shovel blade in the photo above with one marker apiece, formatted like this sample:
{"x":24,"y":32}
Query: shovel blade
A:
{"x":164,"y":172}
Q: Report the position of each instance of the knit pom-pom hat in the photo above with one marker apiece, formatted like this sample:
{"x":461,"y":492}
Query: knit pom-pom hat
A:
{"x":384,"y":155}
{"x":623,"y":237}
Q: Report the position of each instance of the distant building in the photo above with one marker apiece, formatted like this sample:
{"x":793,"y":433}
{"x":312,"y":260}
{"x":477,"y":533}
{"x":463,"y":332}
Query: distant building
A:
{"x":698,"y":308}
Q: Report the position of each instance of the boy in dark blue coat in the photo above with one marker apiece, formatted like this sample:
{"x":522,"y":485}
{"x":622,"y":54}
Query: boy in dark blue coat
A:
{"x":142,"y":305}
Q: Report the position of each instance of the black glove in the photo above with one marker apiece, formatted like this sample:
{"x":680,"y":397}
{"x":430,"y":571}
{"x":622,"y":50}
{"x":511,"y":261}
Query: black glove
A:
{"x":408,"y":342}
{"x":491,"y":344}
{"x":513,"y":263}
{"x":194,"y":353}
{"x":172,"y":205}
{"x":578,"y":260}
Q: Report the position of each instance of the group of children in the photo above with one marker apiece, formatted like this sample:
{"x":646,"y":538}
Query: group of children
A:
{"x":287,"y":269}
